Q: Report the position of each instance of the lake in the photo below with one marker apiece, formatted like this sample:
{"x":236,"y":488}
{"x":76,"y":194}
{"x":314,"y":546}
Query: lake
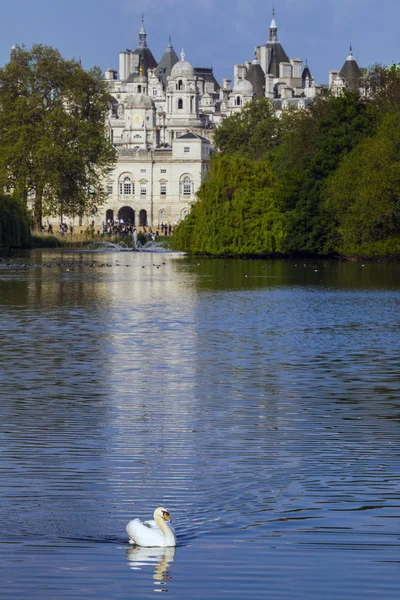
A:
{"x":257,"y":400}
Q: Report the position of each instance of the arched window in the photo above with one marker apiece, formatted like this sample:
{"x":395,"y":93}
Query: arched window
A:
{"x":186,"y":186}
{"x":180,"y":84}
{"x":238,"y":101}
{"x":139,"y":89}
{"x":185,"y":213}
{"x":180,"y":104}
{"x":126,"y":188}
{"x":191,"y":103}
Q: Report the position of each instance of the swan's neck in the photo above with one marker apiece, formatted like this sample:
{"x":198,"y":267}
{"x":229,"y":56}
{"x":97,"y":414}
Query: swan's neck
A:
{"x":168,"y":534}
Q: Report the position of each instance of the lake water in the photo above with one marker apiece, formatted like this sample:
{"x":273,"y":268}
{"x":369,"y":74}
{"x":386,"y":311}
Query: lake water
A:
{"x":257,"y":400}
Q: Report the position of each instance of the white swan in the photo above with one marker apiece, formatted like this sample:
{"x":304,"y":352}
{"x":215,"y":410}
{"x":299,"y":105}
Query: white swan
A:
{"x":152,"y":534}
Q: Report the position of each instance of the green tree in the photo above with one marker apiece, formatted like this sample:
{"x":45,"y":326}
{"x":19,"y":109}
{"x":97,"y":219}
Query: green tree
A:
{"x":250,"y":133}
{"x":333,"y":127}
{"x":363,"y":194}
{"x":15,"y":222}
{"x":53,"y":142}
{"x":235,"y":214}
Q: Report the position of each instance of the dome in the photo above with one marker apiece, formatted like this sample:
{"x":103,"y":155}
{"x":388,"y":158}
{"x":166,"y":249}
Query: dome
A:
{"x":139,"y":101}
{"x":182,"y":68}
{"x":136,"y":78}
{"x":243,"y":87}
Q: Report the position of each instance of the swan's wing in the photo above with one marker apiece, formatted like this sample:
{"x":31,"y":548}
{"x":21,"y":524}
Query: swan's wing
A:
{"x":150,"y":523}
{"x":144,"y":535}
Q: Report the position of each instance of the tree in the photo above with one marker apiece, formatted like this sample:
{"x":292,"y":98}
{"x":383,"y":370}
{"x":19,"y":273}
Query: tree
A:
{"x":14,"y":222}
{"x":363,"y":195}
{"x":53,"y":142}
{"x":334,"y":126}
{"x":250,"y":133}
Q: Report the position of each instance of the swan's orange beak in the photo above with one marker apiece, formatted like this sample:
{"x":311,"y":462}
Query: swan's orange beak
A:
{"x":167,"y":517}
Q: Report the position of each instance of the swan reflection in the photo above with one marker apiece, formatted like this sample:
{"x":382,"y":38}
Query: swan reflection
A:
{"x":160,"y":558}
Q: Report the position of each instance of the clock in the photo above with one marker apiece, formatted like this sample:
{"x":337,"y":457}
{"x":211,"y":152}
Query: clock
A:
{"x":137,"y":119}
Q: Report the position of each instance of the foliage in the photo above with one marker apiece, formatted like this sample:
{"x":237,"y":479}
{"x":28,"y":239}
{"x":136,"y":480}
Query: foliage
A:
{"x":15,"y":223}
{"x":251,"y":132}
{"x":53,"y":142}
{"x":320,"y":182}
{"x":235,"y":214}
{"x":363,"y":194}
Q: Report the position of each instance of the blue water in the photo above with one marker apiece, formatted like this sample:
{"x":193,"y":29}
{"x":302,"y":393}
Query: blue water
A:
{"x":258,"y":401}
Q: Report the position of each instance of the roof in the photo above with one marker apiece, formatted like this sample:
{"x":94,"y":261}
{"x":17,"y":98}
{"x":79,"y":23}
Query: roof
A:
{"x":207,"y":74}
{"x":257,"y":78}
{"x":146,"y":59}
{"x":350,"y":71}
{"x":182,"y":68}
{"x":280,"y":103}
{"x":306,"y":72}
{"x":278,"y":55}
{"x":164,"y":67}
{"x":192,"y":136}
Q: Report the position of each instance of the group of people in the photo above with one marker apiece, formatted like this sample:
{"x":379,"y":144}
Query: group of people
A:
{"x":62,"y":230}
{"x":120,"y":227}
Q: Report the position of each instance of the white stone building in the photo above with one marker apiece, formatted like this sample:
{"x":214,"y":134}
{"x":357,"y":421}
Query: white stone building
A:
{"x":163,"y":115}
{"x":150,"y":187}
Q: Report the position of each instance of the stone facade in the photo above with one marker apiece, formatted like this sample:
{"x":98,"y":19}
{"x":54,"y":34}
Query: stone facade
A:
{"x":163,"y":115}
{"x":151,"y":187}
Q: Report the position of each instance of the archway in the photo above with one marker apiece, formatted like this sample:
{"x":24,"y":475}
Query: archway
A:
{"x":109,"y":216}
{"x":143,"y":218}
{"x":127,"y":214}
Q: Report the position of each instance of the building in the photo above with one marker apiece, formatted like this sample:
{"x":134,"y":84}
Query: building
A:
{"x":163,"y":115}
{"x":349,"y":77}
{"x":272,"y":74}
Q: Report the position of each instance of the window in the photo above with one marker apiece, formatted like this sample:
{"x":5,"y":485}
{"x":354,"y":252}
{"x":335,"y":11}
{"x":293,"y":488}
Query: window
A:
{"x":163,"y":214}
{"x":186,"y":186}
{"x":180,"y":104}
{"x":143,"y":189}
{"x":238,"y":102}
{"x":109,"y":189}
{"x":163,"y":170}
{"x":186,"y":149}
{"x":139,"y":89}
{"x":125,"y":188}
{"x":143,"y":170}
{"x":154,"y":91}
{"x":163,"y":189}
{"x":180,"y":84}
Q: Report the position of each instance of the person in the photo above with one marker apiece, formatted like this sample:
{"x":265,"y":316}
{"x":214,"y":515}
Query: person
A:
{"x":165,"y":229}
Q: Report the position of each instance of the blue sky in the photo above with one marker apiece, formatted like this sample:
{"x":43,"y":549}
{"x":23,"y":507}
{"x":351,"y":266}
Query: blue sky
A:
{"x":216,"y":33}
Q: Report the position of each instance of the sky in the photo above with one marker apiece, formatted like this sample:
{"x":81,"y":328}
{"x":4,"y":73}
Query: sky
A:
{"x":217,"y":33}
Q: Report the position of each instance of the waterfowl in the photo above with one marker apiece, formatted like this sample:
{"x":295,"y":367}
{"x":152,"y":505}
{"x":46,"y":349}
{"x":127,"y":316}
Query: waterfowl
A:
{"x":152,"y":534}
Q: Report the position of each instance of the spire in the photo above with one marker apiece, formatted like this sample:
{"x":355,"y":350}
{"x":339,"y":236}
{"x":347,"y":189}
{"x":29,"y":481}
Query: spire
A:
{"x":169,"y":43}
{"x":350,"y":56}
{"x":142,"y":35}
{"x":183,"y":54}
{"x":273,"y":29}
{"x":255,"y":59}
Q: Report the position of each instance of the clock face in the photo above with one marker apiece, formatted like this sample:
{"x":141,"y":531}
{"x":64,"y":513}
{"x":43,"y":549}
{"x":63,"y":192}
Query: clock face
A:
{"x":137,"y":119}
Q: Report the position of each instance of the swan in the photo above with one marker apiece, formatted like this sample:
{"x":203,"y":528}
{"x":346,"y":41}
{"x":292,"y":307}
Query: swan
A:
{"x":152,"y":534}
